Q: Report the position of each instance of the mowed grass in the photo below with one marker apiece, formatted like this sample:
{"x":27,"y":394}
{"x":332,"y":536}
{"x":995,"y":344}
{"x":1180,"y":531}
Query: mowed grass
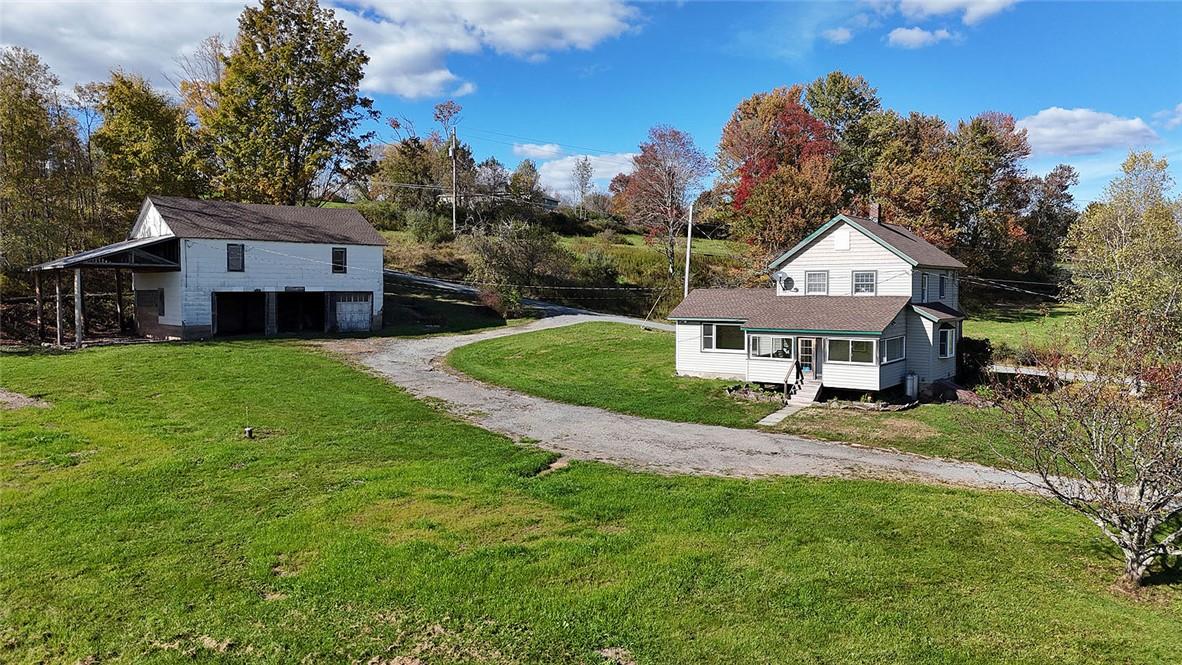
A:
{"x":613,"y":366}
{"x":1021,"y":326}
{"x":940,"y":430}
{"x":138,"y":525}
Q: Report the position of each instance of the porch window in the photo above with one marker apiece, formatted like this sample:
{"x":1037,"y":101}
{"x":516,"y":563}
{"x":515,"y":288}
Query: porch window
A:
{"x":947,"y":341}
{"x":235,"y":257}
{"x":816,"y":283}
{"x":769,"y":346}
{"x":339,"y":261}
{"x":720,"y":337}
{"x":894,"y":349}
{"x":865,"y":282}
{"x":855,"y":351}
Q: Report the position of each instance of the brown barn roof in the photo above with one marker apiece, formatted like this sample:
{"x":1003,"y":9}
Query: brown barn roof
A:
{"x":192,"y":218}
{"x":762,"y":308}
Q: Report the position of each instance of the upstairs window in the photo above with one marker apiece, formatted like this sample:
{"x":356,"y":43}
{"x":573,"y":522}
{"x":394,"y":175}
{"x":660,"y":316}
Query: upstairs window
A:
{"x":816,"y":283}
{"x":339,"y":260}
{"x":943,"y":286}
{"x":923,"y":287}
{"x":865,"y":282}
{"x":719,"y":337}
{"x":235,"y":257}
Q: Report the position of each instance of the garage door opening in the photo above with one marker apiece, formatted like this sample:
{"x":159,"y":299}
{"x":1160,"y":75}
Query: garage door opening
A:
{"x":297,"y":311}
{"x":240,"y":313}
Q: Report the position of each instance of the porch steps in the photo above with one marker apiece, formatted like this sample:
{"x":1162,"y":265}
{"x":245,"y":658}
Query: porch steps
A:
{"x":802,"y":398}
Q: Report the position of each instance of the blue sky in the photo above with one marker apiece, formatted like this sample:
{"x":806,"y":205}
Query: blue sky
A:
{"x":555,"y":80}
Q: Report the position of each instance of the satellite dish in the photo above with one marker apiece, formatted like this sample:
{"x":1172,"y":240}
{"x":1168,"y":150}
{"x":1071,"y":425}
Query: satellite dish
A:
{"x":785,"y":282}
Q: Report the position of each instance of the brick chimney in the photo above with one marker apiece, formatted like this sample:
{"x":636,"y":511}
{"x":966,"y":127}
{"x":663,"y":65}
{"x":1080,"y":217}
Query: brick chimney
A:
{"x":874,"y":212}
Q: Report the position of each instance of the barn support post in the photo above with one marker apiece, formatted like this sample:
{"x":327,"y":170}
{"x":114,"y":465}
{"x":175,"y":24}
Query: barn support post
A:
{"x":40,"y":306}
{"x":79,"y":324}
{"x":271,"y":313}
{"x":57,"y":292}
{"x":119,"y":299}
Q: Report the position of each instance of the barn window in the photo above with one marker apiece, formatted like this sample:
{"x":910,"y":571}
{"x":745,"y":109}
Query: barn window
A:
{"x":339,"y":260}
{"x":235,"y":257}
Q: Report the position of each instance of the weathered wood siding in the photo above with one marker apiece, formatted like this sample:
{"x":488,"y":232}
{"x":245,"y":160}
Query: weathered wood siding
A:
{"x":691,"y":360}
{"x":894,"y":274}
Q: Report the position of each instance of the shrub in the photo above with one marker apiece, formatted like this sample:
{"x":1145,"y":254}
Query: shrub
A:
{"x":973,"y":358}
{"x":505,"y":301}
{"x":428,"y":228}
{"x":597,"y":268}
{"x":384,"y":215}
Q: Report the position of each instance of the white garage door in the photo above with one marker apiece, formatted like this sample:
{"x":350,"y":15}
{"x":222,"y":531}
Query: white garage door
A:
{"x":353,"y":312}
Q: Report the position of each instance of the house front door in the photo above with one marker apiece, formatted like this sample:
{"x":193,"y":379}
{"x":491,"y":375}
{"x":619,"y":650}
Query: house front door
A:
{"x":807,"y":356}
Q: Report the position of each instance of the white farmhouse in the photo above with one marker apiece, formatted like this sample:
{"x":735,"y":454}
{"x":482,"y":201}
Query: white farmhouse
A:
{"x":207,"y":268}
{"x":857,"y":305}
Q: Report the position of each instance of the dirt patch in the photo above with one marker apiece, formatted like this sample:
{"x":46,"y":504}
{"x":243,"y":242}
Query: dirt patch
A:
{"x":290,"y":564}
{"x":11,"y":400}
{"x":617,"y":656}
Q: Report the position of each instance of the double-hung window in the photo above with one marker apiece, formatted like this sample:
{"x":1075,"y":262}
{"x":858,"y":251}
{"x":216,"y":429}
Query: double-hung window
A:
{"x":768,"y":346}
{"x":816,"y":283}
{"x":339,"y":260}
{"x":865,"y":282}
{"x":721,"y":337}
{"x":943,"y":286}
{"x":855,"y":351}
{"x":235,"y":257}
{"x":947,"y":341}
{"x":923,"y":287}
{"x":894,"y":349}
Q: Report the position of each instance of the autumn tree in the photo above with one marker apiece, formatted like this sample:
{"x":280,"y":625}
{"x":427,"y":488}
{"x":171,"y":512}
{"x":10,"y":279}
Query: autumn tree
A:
{"x":491,"y":176}
{"x":665,"y":175}
{"x":44,"y":196}
{"x":1126,"y":257}
{"x":288,"y":108}
{"x":524,"y":182}
{"x":849,"y":106}
{"x":145,"y":144}
{"x":582,"y":180}
{"x":1043,"y":228}
{"x":405,"y":175}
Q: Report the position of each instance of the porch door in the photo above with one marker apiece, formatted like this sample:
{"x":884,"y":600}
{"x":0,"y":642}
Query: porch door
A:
{"x":806,"y":354}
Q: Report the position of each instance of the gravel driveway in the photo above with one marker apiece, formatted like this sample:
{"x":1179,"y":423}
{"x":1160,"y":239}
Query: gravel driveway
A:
{"x":588,"y":433}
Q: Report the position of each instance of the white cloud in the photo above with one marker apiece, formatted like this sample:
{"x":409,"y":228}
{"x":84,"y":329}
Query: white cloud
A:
{"x":838,"y":35}
{"x":537,"y":150}
{"x":1059,"y":131}
{"x":1170,"y":118}
{"x":972,"y":11}
{"x":916,"y":37}
{"x":408,"y":42}
{"x":555,"y":175}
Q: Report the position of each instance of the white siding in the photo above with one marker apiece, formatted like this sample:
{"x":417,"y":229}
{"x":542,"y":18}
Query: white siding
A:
{"x":952,"y":291}
{"x":769,"y":370}
{"x":149,"y":224}
{"x":894,"y":274}
{"x":892,"y":374}
{"x":274,"y":266}
{"x":691,"y":360}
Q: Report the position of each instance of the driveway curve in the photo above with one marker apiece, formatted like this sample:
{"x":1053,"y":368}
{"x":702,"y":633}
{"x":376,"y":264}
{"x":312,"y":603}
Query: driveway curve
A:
{"x":589,"y":433}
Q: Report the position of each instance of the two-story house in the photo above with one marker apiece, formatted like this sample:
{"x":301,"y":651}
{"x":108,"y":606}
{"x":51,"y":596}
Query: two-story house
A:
{"x":858,"y":303}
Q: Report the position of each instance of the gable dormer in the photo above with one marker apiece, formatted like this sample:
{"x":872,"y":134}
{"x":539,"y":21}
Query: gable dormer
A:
{"x":855,"y":256}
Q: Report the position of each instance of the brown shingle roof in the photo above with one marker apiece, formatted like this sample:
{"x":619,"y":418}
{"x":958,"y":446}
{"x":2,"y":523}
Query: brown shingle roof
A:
{"x":762,"y":308}
{"x":192,"y":218}
{"x":901,"y":238}
{"x":938,"y":311}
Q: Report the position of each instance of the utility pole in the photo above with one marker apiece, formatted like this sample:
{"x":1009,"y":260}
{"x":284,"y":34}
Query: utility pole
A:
{"x":454,"y":190}
{"x":689,"y":234}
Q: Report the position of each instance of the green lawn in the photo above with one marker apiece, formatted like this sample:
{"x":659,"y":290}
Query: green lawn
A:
{"x":613,"y":366}
{"x":1020,"y":326}
{"x":941,"y":430}
{"x":139,"y":525}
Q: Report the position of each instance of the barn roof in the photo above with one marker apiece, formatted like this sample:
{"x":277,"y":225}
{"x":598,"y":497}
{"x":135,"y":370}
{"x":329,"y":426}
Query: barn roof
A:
{"x":763,"y":309}
{"x":194,"y":218}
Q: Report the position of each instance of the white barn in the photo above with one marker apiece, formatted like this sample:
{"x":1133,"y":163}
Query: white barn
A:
{"x":857,"y":305}
{"x":207,"y":268}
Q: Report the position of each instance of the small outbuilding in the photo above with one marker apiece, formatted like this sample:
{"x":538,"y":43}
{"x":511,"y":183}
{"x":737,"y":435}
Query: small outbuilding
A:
{"x":206,"y":268}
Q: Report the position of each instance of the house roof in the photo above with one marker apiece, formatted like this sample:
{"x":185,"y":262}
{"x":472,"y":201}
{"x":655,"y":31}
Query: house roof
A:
{"x":899,"y":240}
{"x":937,"y":311}
{"x":763,"y":309}
{"x":192,"y":218}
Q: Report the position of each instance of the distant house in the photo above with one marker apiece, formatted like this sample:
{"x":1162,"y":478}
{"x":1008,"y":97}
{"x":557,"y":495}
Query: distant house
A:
{"x":858,"y":304}
{"x":206,"y":268}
